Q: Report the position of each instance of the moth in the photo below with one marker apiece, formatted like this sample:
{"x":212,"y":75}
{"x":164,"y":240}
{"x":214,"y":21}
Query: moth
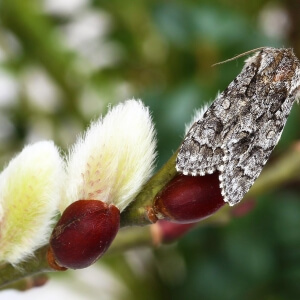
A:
{"x":238,"y":132}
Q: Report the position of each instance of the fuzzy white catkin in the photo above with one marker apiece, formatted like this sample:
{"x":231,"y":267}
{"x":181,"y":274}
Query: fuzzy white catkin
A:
{"x":30,"y":190}
{"x":114,"y":157}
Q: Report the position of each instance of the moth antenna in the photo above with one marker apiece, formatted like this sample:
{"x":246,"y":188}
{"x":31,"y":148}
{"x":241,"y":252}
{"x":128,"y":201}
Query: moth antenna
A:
{"x":238,"y":56}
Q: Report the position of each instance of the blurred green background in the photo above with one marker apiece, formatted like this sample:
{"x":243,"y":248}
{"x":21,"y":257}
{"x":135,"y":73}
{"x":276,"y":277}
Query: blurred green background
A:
{"x":63,"y":62}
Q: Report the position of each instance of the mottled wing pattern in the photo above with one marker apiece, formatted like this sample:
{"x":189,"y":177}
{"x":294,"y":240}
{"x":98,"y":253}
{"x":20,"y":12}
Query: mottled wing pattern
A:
{"x":202,"y":150}
{"x":240,"y":129}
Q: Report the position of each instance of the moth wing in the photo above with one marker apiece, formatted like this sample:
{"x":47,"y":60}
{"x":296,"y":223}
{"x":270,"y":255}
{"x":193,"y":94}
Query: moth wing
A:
{"x":248,"y":153}
{"x":201,"y":152}
{"x":260,"y":125}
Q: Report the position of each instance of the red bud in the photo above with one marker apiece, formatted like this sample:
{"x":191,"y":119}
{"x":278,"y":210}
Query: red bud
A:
{"x":83,"y":234}
{"x":188,"y":199}
{"x":166,"y":232}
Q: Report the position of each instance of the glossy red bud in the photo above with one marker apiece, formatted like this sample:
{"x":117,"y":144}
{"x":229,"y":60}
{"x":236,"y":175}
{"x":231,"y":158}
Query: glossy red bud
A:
{"x":83,"y":234}
{"x":188,"y":199}
{"x":166,"y":232}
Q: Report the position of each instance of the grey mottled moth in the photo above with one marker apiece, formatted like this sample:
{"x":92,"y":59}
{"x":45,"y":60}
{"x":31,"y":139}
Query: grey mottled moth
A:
{"x":238,"y":132}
